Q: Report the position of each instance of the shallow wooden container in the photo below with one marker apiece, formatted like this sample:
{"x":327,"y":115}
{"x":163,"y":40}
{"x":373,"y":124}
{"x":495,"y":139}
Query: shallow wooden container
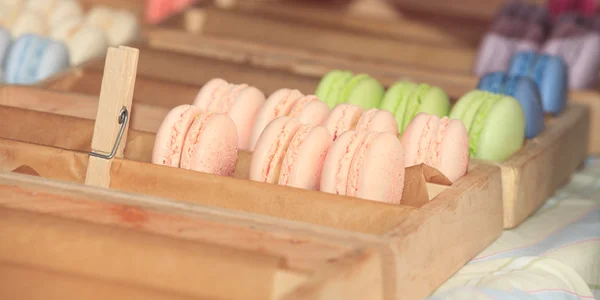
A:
{"x":462,"y":219}
{"x":521,"y":198}
{"x":101,"y":241}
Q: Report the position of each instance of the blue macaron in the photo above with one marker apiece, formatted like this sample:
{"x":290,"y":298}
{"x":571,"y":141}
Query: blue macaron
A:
{"x":5,"y":41}
{"x":522,"y":88}
{"x":33,"y":58}
{"x":549,"y":72}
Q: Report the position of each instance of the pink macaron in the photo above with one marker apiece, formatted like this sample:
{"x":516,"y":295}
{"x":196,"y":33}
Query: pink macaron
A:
{"x":191,"y":139}
{"x":307,"y":109}
{"x":440,"y":143}
{"x":241,"y":102}
{"x":365,"y":164}
{"x":290,"y":153}
{"x":346,"y":117}
{"x":278,"y":104}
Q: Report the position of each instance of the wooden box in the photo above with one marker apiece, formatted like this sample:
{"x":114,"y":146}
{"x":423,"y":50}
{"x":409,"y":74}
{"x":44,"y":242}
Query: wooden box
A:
{"x":528,"y":176}
{"x":462,"y":218}
{"x":192,"y":32}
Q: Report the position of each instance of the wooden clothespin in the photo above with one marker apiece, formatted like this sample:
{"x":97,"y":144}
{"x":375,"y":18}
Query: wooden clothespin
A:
{"x":114,"y":109}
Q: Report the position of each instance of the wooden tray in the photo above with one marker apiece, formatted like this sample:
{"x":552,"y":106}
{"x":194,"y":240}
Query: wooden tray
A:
{"x":462,"y":219}
{"x":185,"y":251}
{"x":367,"y":17}
{"x":254,"y":28}
{"x":521,"y":198}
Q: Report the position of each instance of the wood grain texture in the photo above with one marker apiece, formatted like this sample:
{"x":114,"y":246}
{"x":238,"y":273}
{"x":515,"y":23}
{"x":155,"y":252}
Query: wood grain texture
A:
{"x":535,"y":172}
{"x":344,"y":17}
{"x":248,"y":27}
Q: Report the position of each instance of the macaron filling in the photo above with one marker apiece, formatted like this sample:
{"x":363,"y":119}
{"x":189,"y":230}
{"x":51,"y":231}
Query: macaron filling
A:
{"x":426,"y":140}
{"x":434,"y":157}
{"x":348,"y":120}
{"x":292,"y":153}
{"x":353,"y":185}
{"x":341,"y":178}
{"x":230,"y":97}
{"x":479,"y":122}
{"x":271,"y":170}
{"x":283,"y":107}
{"x":192,"y":138}
{"x":365,"y":120}
{"x":350,"y":85}
{"x":414,"y":102}
{"x":332,"y":95}
{"x":300,"y":103}
{"x":177,"y":137}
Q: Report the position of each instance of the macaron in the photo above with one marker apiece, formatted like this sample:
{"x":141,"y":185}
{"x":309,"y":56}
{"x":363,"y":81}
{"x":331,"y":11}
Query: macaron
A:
{"x":365,"y":164}
{"x":33,"y":58}
{"x":10,"y":11}
{"x":290,"y":153}
{"x":345,"y":117}
{"x":494,"y":53}
{"x":84,"y":42}
{"x":30,"y":22}
{"x":495,"y":123}
{"x":289,"y":102}
{"x":240,"y":102}
{"x":581,"y":53}
{"x":120,"y":26}
{"x":5,"y":42}
{"x":56,"y":11}
{"x":549,"y":72}
{"x":524,"y":90}
{"x":405,"y":99}
{"x":201,"y":141}
{"x":440,"y":143}
{"x":339,"y":86}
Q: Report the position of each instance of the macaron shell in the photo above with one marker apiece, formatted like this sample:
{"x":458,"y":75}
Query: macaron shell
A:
{"x":551,"y":75}
{"x":63,"y":10}
{"x":86,"y":44}
{"x":303,"y":161}
{"x":435,"y":102}
{"x":377,"y":169}
{"x":503,"y":133}
{"x":124,"y":28}
{"x":377,"y":120}
{"x":329,"y":88}
{"x":334,"y":177}
{"x":278,"y":104}
{"x":29,"y":22}
{"x":394,"y":95}
{"x":417,"y":138}
{"x":211,"y":145}
{"x":527,"y":93}
{"x":54,"y":60}
{"x":211,"y":91}
{"x":5,"y":42}
{"x":243,"y":112}
{"x":271,"y":148}
{"x":368,"y":93}
{"x":171,"y":135}
{"x":494,"y":54}
{"x":314,"y":112}
{"x":342,"y":118}
{"x":583,"y":71}
{"x":449,"y":152}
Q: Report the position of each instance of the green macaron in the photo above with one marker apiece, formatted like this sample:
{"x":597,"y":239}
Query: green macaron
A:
{"x":495,"y":123}
{"x":406,"y":99}
{"x":340,"y":86}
